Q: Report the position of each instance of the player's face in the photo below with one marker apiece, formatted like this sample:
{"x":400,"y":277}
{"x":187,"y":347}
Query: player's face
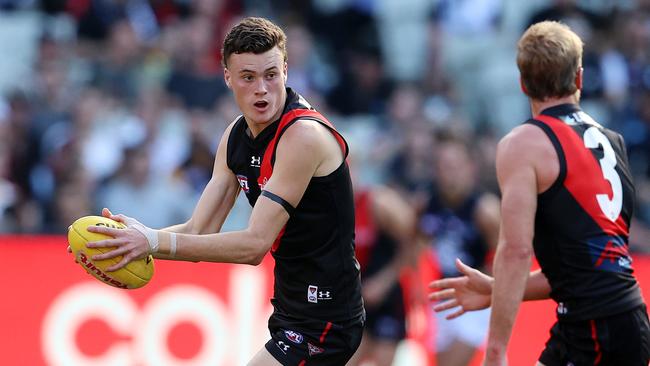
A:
{"x":454,"y":169}
{"x":258,"y":84}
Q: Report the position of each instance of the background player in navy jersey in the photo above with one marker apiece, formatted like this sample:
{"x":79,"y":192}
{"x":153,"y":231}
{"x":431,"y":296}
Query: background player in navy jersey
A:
{"x":566,"y":194}
{"x":385,"y":242}
{"x":290,"y":163}
{"x":461,"y":221}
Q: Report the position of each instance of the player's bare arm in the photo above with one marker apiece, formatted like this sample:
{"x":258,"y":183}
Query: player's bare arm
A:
{"x":394,"y":216}
{"x":292,"y":173}
{"x":516,"y":173}
{"x":473,"y":290}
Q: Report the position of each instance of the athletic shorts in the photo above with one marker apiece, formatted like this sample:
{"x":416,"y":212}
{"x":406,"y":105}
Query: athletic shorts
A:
{"x":617,"y":340}
{"x":387,"y":320}
{"x":312,"y":342}
{"x":471,"y":329}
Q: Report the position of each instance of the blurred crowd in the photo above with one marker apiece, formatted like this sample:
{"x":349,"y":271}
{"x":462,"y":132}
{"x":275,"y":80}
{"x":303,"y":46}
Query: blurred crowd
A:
{"x":121,"y":103}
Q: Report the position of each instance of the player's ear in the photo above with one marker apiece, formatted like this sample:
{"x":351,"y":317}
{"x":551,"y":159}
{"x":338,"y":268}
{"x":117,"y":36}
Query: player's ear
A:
{"x":578,"y":80}
{"x":523,"y":86}
{"x":226,"y":77}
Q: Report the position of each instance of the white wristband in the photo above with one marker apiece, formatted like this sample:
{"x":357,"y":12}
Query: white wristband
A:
{"x":172,"y":245}
{"x":151,"y":235}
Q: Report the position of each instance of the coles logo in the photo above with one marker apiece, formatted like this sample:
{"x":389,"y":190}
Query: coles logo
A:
{"x":141,"y":333}
{"x":294,"y":337}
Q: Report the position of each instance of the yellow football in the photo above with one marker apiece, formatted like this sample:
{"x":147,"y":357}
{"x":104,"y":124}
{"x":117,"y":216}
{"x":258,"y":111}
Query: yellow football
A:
{"x":134,"y":275}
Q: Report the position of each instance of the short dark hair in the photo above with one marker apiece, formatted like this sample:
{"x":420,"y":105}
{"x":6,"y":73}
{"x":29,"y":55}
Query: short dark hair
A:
{"x":253,"y":35}
{"x":549,"y":55}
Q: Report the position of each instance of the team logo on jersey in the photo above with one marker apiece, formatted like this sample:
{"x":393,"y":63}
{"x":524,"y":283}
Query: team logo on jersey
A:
{"x":562,"y":309}
{"x":256,"y":161}
{"x":314,"y":350}
{"x":243,"y":182}
{"x":312,"y":294}
{"x":294,"y":337}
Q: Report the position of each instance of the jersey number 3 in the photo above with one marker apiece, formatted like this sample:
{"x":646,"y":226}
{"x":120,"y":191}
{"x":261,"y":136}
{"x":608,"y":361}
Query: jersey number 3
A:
{"x":610,"y":207}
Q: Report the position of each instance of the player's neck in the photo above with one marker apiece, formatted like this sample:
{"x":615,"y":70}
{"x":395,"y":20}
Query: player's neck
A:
{"x":537,"y":106}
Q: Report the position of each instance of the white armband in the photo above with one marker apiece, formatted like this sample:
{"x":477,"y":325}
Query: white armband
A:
{"x":172,"y":245}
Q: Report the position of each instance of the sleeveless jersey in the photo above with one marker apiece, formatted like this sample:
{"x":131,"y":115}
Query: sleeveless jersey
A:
{"x":582,"y":220}
{"x":316,"y":273}
{"x":455,"y":234}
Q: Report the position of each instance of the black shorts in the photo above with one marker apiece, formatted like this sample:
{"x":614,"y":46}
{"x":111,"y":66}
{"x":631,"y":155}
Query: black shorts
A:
{"x":312,"y":342}
{"x":617,"y":340}
{"x":387,"y":320}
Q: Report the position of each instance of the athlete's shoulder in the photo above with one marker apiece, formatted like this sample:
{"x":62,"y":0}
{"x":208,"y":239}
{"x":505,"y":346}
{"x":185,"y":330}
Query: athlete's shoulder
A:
{"x":304,"y":133}
{"x":525,"y":145}
{"x":524,"y":139}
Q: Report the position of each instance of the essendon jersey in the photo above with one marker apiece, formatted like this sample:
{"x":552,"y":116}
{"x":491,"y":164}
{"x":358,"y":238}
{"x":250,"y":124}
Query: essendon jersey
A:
{"x":316,"y":273}
{"x":582,"y":221}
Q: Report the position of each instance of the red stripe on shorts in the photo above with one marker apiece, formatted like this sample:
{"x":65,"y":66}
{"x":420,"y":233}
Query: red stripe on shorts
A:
{"x":327,"y":329}
{"x":594,"y":336}
{"x":302,"y":363}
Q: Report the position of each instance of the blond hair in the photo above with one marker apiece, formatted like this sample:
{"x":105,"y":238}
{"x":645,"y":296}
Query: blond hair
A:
{"x":549,"y":55}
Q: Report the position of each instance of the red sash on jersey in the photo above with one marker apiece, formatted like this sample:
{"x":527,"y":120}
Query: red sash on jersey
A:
{"x":266,"y":168}
{"x":584,"y":177}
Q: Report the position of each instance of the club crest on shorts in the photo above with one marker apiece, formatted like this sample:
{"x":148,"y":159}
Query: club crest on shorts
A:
{"x":294,"y":337}
{"x":314,"y":350}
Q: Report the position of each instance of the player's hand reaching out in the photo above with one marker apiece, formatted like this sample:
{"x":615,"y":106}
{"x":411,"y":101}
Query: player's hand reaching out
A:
{"x":472,"y":291}
{"x":132,"y":243}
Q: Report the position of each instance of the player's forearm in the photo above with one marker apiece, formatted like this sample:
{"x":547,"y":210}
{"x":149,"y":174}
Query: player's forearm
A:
{"x":202,"y":224}
{"x":244,"y":247}
{"x":511,"y":268}
{"x":537,"y":287}
{"x":183,"y":228}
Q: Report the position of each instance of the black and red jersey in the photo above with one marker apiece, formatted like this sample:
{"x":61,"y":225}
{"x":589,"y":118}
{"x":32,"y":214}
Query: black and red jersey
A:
{"x":582,"y":221}
{"x":316,"y":273}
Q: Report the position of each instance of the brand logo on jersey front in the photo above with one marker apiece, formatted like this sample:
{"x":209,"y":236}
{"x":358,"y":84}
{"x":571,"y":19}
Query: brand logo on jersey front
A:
{"x":256,"y":161}
{"x":314,"y":294}
{"x":294,"y":337}
{"x":283,"y":346}
{"x":243,"y":182}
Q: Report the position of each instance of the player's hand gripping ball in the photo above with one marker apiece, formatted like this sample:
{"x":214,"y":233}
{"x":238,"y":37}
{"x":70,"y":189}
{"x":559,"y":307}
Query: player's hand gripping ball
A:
{"x":134,"y":275}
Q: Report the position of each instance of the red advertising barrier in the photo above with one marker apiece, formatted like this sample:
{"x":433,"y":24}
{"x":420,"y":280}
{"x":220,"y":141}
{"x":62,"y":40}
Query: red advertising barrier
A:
{"x":53,"y":313}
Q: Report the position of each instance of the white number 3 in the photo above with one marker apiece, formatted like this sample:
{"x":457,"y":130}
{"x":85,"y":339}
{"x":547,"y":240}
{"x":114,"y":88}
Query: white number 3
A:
{"x":610,"y":207}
